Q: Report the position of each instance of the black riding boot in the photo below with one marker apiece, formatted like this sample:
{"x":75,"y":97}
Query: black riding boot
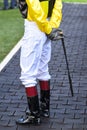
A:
{"x":34,"y":116}
{"x":45,"y":98}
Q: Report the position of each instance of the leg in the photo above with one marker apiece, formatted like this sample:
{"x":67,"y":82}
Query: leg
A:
{"x":31,"y":50}
{"x":45,"y":98}
{"x":44,"y":79}
{"x":33,"y":104}
{"x":5,"y":4}
{"x":13,"y":2}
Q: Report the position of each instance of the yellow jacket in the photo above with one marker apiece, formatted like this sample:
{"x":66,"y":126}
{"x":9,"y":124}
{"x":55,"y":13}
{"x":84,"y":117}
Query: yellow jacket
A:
{"x":38,"y":11}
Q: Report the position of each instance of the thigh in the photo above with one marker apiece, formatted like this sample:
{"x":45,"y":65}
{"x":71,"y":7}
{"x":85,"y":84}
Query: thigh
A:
{"x":31,"y":49}
{"x":46,"y":55}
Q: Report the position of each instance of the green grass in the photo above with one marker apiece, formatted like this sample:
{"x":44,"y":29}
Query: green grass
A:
{"x":11,"y":30}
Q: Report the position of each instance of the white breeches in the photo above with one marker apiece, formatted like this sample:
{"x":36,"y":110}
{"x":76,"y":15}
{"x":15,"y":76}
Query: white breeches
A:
{"x":35,"y":55}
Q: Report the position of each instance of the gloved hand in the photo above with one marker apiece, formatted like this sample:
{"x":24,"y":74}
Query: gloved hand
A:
{"x":55,"y":34}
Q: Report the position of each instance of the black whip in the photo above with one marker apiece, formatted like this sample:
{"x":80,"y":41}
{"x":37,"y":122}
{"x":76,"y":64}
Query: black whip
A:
{"x":61,"y":37}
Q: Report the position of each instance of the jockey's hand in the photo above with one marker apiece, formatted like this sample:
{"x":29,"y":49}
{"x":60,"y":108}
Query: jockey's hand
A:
{"x":55,"y":34}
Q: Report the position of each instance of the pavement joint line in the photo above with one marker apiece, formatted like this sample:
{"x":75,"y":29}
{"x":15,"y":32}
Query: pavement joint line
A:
{"x":76,"y":3}
{"x":10,"y":55}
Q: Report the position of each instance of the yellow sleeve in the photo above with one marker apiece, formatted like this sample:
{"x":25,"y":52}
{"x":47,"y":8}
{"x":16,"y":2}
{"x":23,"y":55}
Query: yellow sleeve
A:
{"x":37,"y":14}
{"x":56,"y":17}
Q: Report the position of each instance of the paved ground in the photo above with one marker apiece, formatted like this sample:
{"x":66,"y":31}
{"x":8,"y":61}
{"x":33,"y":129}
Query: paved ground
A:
{"x":66,"y":112}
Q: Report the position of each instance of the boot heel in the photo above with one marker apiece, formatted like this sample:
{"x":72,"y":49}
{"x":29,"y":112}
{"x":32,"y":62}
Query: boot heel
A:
{"x":37,"y":121}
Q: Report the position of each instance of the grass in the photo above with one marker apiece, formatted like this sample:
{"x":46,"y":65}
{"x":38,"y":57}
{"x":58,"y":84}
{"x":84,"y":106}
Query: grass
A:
{"x":11,"y":28}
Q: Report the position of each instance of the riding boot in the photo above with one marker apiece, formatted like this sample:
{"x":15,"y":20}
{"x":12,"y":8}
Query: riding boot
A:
{"x":44,"y":98}
{"x":34,"y":116}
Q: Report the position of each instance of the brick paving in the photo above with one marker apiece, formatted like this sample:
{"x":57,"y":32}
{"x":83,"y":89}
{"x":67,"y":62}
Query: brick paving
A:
{"x":66,"y":112}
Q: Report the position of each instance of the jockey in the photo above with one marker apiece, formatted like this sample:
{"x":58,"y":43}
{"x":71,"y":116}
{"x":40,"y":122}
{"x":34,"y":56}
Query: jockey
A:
{"x":40,"y":18}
